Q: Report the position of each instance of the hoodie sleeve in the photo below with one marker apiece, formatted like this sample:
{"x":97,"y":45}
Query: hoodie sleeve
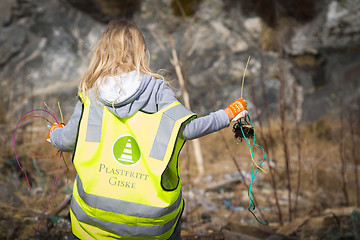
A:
{"x":165,"y":96}
{"x":65,"y":138}
{"x":202,"y":126}
{"x":197,"y":127}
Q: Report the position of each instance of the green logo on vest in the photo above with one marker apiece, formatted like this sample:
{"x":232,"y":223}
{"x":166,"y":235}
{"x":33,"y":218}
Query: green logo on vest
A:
{"x":126,"y":150}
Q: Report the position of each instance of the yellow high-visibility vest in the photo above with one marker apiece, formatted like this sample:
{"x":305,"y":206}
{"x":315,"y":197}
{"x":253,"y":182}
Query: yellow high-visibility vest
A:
{"x":128,"y":183}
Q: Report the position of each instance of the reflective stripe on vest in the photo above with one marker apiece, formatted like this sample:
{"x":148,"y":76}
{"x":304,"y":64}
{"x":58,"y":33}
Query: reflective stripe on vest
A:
{"x":162,"y":136}
{"x":123,"y":229}
{"x":94,"y":123}
{"x":128,"y":192}
{"x":124,"y":207}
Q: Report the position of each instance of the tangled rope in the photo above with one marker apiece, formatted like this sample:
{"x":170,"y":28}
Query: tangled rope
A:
{"x":53,"y":115}
{"x":253,"y":172}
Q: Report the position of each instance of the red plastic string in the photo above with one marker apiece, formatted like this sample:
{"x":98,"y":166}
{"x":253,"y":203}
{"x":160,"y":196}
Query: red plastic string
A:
{"x":30,"y":115}
{"x":45,"y":156}
{"x":17,"y":125}
{"x":58,"y":170}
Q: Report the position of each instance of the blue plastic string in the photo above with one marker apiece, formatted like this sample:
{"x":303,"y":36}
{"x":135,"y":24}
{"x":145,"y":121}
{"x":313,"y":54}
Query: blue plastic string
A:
{"x":253,"y":172}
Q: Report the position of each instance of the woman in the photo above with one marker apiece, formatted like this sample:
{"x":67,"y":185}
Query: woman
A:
{"x":126,"y":133}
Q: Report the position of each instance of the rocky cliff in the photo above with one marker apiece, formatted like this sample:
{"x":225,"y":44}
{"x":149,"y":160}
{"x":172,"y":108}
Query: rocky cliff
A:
{"x":313,"y":47}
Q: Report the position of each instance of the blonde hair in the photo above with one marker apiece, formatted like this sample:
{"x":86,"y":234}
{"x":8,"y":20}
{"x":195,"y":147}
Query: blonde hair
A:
{"x":120,"y":49}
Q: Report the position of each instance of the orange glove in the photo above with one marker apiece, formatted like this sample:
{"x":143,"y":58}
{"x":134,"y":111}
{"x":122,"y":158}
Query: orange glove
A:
{"x":237,"y":109}
{"x":52,"y":128}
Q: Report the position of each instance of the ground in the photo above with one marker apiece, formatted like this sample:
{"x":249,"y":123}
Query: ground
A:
{"x":323,"y":206}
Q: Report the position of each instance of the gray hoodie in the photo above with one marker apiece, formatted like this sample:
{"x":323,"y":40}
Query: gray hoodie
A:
{"x":129,"y":93}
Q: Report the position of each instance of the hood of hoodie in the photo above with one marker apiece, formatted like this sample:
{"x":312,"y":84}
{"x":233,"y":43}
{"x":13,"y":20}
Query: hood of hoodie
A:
{"x":117,"y":89}
{"x":128,"y":93}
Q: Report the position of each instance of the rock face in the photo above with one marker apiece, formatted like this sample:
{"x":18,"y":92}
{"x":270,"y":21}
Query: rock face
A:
{"x":326,"y":54}
{"x":45,"y":45}
{"x":103,"y":11}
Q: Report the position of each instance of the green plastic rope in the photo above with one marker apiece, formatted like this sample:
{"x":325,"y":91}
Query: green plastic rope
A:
{"x":253,"y":174}
{"x":41,"y":175}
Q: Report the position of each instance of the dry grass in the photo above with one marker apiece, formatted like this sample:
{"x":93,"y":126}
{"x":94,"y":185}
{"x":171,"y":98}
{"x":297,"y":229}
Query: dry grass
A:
{"x":21,"y":209}
{"x":321,"y":184}
{"x":320,"y":187}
